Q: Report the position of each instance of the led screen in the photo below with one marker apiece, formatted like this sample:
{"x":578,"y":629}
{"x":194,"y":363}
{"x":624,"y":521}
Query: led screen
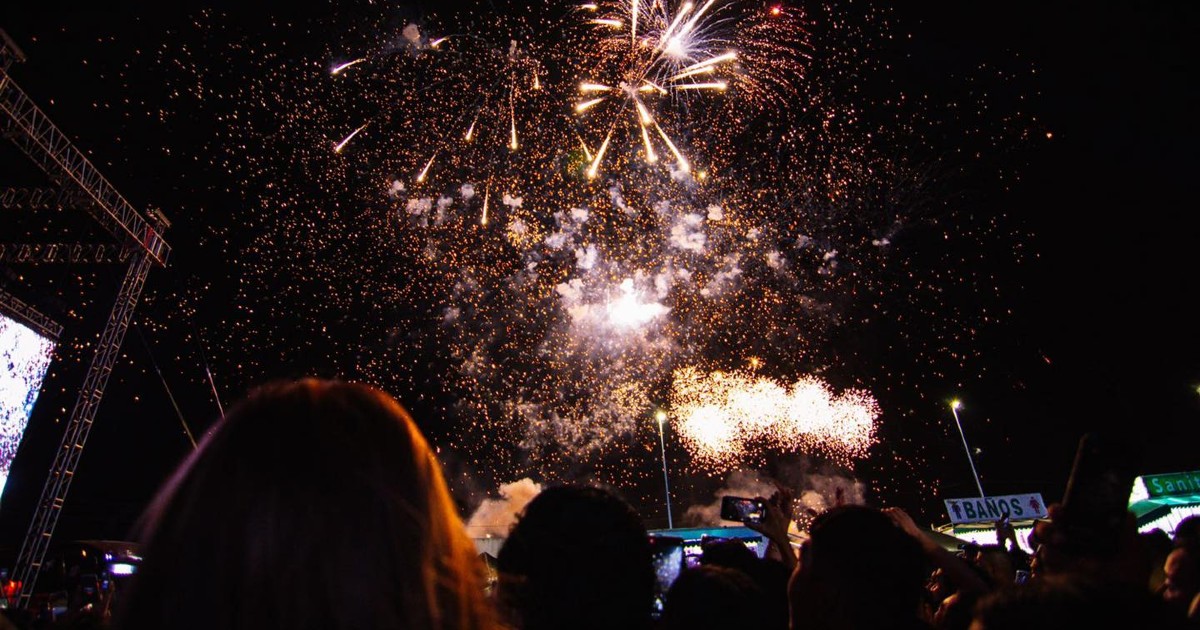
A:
{"x":24,"y":357}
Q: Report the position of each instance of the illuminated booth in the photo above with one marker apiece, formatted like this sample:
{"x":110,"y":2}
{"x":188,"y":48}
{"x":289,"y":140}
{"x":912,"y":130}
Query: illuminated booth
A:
{"x":1158,"y":501}
{"x":1162,"y":501}
{"x":973,"y":519}
{"x":695,"y":537}
{"x":985,"y":533}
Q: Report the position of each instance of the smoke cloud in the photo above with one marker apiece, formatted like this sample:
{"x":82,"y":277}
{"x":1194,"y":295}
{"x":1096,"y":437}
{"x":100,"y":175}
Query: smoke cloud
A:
{"x":495,"y":517}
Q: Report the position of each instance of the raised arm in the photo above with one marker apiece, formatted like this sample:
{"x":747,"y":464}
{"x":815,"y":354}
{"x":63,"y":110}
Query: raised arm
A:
{"x":955,"y":568}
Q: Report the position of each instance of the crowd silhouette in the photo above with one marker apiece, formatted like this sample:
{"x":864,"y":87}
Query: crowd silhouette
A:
{"x":319,"y":505}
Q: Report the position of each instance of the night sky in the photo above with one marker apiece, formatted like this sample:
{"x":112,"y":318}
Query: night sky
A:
{"x":1063,"y":247}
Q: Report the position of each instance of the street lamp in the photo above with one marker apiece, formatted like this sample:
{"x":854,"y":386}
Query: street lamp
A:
{"x":955,"y":405}
{"x":661,"y":417}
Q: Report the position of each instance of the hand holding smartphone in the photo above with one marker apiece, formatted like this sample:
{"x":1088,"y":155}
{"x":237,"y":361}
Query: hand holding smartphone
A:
{"x":743,"y":510}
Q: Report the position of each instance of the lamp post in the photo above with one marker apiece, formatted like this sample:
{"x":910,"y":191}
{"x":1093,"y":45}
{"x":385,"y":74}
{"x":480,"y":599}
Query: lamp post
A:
{"x":955,"y":405}
{"x":661,"y":417}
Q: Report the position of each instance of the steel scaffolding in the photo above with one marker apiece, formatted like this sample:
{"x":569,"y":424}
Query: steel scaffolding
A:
{"x":17,"y":198}
{"x":77,"y":253}
{"x":31,"y":130}
{"x":139,"y":239}
{"x":12,"y":306}
{"x":66,"y":459}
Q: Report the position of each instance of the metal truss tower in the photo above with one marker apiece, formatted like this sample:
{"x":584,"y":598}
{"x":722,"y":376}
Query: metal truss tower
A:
{"x":11,"y":305}
{"x":33,"y":132}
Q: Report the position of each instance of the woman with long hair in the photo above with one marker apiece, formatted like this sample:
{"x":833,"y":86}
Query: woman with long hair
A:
{"x":312,"y":504}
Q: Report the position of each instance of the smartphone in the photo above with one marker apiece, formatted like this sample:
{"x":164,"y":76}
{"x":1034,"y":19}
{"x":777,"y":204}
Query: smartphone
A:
{"x":668,"y":559}
{"x":1096,"y":501}
{"x":743,"y":510}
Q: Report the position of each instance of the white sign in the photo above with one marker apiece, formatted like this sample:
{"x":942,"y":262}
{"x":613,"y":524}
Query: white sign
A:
{"x":1016,"y":507}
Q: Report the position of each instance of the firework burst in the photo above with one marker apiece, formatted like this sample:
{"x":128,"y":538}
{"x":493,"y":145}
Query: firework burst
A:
{"x":725,"y":418}
{"x":570,"y":299}
{"x":430,"y":181}
{"x":650,"y":64}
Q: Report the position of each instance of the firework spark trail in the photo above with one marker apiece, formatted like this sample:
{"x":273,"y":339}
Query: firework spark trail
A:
{"x":723,"y":418}
{"x":471,"y":81}
{"x":425,"y":171}
{"x":338,"y":69}
{"x":337,"y":148}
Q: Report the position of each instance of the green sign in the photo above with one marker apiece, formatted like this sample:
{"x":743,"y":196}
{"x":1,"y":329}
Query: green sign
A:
{"x":1172,"y":484}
